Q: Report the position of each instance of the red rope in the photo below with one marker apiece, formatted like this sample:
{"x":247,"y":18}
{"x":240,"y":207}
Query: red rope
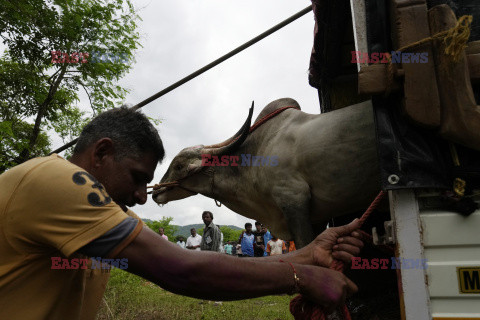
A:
{"x":301,"y":308}
{"x":269,"y":116}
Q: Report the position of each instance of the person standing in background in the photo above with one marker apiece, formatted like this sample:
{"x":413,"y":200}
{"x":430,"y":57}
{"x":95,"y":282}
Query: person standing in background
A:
{"x":228,"y":248}
{"x":181,"y":242}
{"x":276,"y":246}
{"x":161,"y":231}
{"x":267,"y":236}
{"x":291,"y":246}
{"x":193,"y":242}
{"x":259,"y":245}
{"x":222,"y":249}
{"x":247,"y":240}
{"x":211,"y":234}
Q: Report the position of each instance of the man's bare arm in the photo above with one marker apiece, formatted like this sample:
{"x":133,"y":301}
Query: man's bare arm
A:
{"x":210,"y":275}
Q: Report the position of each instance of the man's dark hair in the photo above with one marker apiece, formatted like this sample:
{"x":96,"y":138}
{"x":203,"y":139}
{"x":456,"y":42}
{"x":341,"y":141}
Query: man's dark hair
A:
{"x":193,"y":229}
{"x":131,"y":132}
{"x":248,"y":224}
{"x":258,"y":223}
{"x":205,"y":212}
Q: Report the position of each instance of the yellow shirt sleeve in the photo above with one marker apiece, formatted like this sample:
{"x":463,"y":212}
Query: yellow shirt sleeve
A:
{"x":57,"y":204}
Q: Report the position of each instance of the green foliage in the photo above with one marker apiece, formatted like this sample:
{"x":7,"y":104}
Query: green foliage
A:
{"x":14,"y":136}
{"x":170,"y":230}
{"x":229,"y":234}
{"x":37,"y":95}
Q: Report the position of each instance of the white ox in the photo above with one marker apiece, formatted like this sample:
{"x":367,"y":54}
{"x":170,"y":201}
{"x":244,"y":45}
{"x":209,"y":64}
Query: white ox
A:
{"x":327,"y":166}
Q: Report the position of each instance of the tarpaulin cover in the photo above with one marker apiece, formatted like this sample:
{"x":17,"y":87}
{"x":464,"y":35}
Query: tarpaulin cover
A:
{"x":410,"y":157}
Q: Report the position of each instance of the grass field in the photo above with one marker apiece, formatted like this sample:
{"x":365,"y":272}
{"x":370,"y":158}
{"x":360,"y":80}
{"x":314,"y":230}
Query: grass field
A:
{"x":131,"y":297}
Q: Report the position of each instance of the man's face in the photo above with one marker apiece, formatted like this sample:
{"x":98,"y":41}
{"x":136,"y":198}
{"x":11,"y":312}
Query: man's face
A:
{"x":126,"y":179}
{"x":258,"y":227}
{"x":249,"y":229}
{"x":161,"y":231}
{"x":207,"y":219}
{"x":193,"y":232}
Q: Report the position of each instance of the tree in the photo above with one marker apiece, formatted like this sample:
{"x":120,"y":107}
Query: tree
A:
{"x":169,"y":229}
{"x":92,"y":41}
{"x":230,"y":234}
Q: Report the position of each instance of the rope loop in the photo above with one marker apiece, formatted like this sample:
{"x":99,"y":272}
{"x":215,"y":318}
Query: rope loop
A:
{"x":301,"y":308}
{"x":455,"y":40}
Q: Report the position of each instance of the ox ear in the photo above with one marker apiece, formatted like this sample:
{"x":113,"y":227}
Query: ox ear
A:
{"x":194,"y":167}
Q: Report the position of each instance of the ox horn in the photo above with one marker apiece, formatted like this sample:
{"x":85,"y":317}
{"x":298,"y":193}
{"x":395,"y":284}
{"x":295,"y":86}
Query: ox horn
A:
{"x":234,"y":142}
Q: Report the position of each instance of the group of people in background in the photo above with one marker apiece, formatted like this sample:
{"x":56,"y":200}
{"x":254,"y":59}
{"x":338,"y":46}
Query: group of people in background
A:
{"x":261,"y":242}
{"x":258,"y":243}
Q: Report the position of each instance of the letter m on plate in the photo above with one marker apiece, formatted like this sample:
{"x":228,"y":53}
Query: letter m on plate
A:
{"x":469,"y":279}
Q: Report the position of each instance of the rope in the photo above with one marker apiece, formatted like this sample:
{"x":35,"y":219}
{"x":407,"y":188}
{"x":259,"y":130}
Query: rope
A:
{"x":165,"y":184}
{"x":455,"y":40}
{"x":269,"y":116}
{"x":301,"y":308}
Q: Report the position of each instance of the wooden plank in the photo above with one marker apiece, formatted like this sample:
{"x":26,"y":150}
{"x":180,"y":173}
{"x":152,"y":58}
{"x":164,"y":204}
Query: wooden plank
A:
{"x":474,"y":67}
{"x":373,"y":80}
{"x":473,"y":47}
{"x":460,"y":114}
{"x":409,"y":24}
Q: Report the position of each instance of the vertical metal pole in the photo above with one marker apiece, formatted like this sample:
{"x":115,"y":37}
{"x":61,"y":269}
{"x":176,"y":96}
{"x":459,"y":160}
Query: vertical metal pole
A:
{"x":359,"y":21}
{"x":412,"y":282}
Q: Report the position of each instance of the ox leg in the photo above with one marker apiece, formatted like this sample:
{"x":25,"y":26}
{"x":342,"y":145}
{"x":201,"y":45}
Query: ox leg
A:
{"x":294,"y":201}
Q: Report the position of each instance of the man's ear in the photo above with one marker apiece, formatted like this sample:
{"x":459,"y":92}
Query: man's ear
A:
{"x":103,"y":150}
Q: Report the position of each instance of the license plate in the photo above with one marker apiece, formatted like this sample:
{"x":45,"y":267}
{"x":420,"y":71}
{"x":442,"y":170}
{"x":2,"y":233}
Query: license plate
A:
{"x":468,"y":279}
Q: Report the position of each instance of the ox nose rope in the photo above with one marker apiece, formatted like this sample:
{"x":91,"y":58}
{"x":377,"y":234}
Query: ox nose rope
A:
{"x":301,"y":308}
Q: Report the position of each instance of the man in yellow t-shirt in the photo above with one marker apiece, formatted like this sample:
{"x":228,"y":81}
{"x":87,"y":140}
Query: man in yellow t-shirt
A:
{"x":56,"y":214}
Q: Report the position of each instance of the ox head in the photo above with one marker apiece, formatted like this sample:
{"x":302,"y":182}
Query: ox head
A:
{"x":186,"y":173}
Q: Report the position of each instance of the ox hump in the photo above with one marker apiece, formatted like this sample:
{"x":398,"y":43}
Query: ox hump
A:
{"x":277,"y":104}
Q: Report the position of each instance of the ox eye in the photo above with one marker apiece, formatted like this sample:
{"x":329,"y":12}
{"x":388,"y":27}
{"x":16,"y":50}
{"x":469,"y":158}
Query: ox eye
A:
{"x":178,"y":167}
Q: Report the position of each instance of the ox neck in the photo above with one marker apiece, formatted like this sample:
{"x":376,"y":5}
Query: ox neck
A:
{"x":219,"y":181}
